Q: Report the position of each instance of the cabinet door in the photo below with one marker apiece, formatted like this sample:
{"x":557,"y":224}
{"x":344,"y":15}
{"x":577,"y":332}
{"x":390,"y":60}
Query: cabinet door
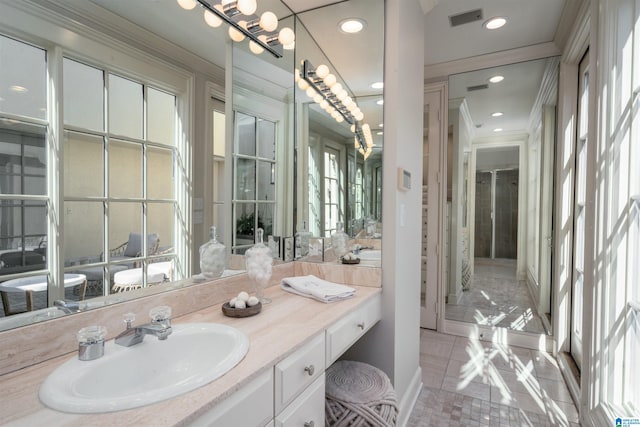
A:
{"x":307,"y":410}
{"x":252,"y":405}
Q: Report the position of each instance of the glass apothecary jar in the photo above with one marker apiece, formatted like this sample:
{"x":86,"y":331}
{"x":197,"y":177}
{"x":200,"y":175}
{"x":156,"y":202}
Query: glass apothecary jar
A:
{"x":339,"y":241}
{"x":259,"y":263}
{"x":213,"y":256}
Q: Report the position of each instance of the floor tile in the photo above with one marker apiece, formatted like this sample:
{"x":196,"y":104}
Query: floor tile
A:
{"x":483,"y":384}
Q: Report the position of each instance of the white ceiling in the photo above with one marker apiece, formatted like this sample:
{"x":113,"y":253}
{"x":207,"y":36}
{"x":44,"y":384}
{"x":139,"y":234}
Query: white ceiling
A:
{"x":529,"y":22}
{"x":358,"y":59}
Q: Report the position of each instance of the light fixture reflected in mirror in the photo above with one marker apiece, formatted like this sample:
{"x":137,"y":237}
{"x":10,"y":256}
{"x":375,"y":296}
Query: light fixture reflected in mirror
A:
{"x":239,"y":14}
{"x":322,"y":86}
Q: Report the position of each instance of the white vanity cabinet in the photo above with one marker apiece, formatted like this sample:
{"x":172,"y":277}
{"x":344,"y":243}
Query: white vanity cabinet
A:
{"x":292,"y":393}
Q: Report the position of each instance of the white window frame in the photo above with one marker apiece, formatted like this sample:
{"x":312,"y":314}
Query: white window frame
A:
{"x":60,"y":36}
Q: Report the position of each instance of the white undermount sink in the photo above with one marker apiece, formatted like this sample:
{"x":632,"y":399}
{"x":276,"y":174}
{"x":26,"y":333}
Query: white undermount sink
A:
{"x":128,"y":377}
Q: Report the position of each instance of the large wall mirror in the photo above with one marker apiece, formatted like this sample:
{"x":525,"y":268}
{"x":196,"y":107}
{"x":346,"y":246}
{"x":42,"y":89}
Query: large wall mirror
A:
{"x":499,"y":195}
{"x":339,"y":171}
{"x":132,"y":199}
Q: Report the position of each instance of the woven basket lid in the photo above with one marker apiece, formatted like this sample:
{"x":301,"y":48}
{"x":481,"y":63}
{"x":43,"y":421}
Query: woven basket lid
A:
{"x":356,"y":382}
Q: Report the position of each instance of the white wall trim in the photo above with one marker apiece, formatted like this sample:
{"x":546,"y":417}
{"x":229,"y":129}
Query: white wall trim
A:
{"x":409,"y":399}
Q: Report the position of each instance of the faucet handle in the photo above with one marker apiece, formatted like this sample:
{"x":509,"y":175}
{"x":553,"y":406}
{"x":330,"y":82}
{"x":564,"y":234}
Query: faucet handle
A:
{"x":91,"y":342}
{"x":160,"y":313}
{"x":128,"y":319}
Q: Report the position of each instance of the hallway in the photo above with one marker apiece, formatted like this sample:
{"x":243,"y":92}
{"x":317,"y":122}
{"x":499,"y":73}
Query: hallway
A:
{"x":467,"y":382}
{"x":497,"y":298}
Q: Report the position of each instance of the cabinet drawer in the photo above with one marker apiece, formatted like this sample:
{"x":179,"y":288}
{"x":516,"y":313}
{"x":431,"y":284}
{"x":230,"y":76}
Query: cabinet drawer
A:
{"x":348,"y":330}
{"x":257,"y":397}
{"x":307,"y":410}
{"x":296,"y":372}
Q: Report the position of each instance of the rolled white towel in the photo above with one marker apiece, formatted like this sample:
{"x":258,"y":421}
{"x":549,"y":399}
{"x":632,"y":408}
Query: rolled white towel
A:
{"x":313,"y":287}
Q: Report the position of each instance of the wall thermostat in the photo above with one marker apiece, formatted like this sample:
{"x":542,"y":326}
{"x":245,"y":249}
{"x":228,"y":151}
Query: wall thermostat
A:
{"x":404,"y":179}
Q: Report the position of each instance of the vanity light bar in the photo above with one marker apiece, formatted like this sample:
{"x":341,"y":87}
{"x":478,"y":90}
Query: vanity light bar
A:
{"x":351,"y":114}
{"x":318,"y":84}
{"x":269,"y":40}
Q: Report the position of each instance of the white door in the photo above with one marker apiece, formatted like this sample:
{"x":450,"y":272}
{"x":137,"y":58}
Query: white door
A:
{"x":432,"y":237}
{"x":579,"y":213}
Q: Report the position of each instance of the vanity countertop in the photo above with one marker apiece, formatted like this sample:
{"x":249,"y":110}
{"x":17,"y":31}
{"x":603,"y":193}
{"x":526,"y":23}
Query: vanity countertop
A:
{"x":281,"y":328}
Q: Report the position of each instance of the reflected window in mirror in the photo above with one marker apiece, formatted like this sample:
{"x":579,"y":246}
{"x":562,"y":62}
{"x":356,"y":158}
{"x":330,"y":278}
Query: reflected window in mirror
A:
{"x":118,"y":175}
{"x":24,"y":199}
{"x":254,"y":202}
{"x":118,"y":162}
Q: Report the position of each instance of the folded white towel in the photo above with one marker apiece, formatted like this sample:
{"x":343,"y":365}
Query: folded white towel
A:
{"x":316,"y":288}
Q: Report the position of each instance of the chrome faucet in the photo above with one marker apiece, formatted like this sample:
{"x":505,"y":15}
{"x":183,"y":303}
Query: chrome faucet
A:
{"x":160,"y":326}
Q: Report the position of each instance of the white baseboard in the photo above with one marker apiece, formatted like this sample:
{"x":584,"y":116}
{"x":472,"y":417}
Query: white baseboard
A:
{"x":408,"y":401}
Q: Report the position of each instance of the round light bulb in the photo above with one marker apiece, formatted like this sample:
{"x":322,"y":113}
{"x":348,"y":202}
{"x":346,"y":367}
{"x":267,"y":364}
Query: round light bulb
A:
{"x":336,"y":88}
{"x":322,"y":71}
{"x":235,"y":35}
{"x":347,"y":101}
{"x":342,"y":95}
{"x":353,"y":128}
{"x":324,"y":104}
{"x":290,"y":46}
{"x":310,"y":91}
{"x":268,"y":21}
{"x":212,"y":19}
{"x":286,"y":36}
{"x":303,"y":84}
{"x":255,"y":47}
{"x":187,"y":4}
{"x":352,"y":107}
{"x":247,"y":7}
{"x":317,"y":98}
{"x":330,"y":80}
{"x":339,"y":119}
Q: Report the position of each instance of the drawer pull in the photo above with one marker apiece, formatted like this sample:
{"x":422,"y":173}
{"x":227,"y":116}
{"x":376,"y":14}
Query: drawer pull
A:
{"x":361,"y":325}
{"x":310,"y":370}
{"x":309,"y":424}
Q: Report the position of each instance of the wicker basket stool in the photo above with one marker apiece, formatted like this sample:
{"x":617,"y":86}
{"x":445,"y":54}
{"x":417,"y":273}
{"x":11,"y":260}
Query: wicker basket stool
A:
{"x":359,"y":395}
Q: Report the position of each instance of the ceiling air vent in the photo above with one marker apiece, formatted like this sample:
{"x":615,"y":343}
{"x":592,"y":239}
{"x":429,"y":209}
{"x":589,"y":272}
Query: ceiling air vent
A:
{"x":465,"y":18}
{"x":477,"y":87}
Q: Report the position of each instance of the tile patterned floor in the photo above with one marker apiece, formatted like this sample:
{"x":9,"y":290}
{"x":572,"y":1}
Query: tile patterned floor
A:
{"x":497,"y":298}
{"x":476,"y":383}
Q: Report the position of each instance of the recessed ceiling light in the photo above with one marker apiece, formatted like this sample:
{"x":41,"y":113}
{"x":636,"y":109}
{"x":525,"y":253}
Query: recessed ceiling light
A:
{"x":351,"y":25}
{"x":380,"y":133}
{"x":495,"y":23}
{"x":380,"y":101}
{"x":18,"y":89}
{"x":496,"y":79}
{"x":497,"y":130}
{"x":497,"y":114}
{"x":381,"y":125}
{"x":377,"y":85}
